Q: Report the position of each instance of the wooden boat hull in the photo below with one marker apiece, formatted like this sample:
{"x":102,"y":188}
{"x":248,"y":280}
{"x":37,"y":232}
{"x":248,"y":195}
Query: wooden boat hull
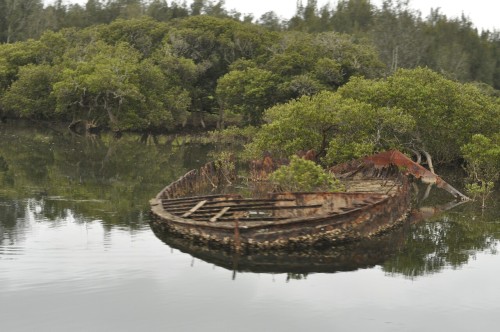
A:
{"x":348,"y":257}
{"x":295,"y":220}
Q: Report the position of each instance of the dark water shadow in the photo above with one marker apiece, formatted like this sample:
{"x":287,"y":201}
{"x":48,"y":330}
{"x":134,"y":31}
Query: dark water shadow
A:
{"x":348,"y":257}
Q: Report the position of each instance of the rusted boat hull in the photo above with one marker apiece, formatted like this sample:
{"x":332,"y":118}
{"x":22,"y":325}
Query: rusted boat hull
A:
{"x":281,"y":220}
{"x":321,"y":231}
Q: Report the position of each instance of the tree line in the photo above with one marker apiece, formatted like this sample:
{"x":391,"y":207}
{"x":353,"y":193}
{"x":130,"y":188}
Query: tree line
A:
{"x":401,"y":36}
{"x":131,"y":64}
{"x":142,"y":74}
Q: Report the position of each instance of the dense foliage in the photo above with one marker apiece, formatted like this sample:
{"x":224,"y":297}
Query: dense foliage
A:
{"x":403,"y":37}
{"x":417,"y":111}
{"x":337,"y":128}
{"x":142,"y":74}
{"x":345,"y":80}
{"x":446,"y":113}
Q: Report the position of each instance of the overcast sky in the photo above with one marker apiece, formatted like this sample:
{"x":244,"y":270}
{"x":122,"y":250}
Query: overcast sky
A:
{"x":485,"y":14}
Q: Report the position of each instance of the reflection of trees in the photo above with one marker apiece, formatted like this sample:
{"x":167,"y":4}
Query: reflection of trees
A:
{"x":452,"y":240}
{"x":10,"y":213}
{"x":101,"y":177}
{"x":296,"y":276}
{"x":4,"y":167}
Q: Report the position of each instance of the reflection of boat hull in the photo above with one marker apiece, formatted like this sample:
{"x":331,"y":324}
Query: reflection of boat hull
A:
{"x":349,"y":257}
{"x":280,"y":220}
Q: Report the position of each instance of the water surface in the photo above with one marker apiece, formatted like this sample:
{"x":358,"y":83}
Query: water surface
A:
{"x":77,"y":254}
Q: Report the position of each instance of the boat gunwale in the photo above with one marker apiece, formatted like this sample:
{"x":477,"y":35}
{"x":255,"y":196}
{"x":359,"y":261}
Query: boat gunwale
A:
{"x":159,"y":210}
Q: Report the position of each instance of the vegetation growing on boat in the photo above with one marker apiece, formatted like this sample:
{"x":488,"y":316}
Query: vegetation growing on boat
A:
{"x":304,"y":175}
{"x":446,"y":114}
{"x":224,"y":163}
{"x":284,"y":220}
{"x":337,"y":128}
{"x":437,"y":120}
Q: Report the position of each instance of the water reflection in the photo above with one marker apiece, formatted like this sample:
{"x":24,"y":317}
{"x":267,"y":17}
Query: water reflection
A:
{"x":74,"y":239}
{"x":101,"y":177}
{"x":350,"y":257}
{"x":56,"y":179}
{"x":452,"y":239}
{"x":433,"y":238}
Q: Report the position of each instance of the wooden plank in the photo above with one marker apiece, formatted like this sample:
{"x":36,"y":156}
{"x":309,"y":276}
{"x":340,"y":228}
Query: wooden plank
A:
{"x":220,"y":214}
{"x":203,"y":213}
{"x":262,"y":200}
{"x":245,"y":220}
{"x":269,"y":207}
{"x":184,"y":203}
{"x":197,"y":198}
{"x":217,"y":208}
{"x":196,"y":207}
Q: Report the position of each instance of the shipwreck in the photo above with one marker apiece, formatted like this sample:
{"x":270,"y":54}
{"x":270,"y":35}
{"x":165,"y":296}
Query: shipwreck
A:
{"x":377,"y":199}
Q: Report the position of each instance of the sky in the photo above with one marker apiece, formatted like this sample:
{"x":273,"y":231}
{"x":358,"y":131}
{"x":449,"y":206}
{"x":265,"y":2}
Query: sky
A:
{"x":485,"y":14}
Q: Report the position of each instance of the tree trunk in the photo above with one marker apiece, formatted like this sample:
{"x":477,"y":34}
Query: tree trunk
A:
{"x":220,"y":122}
{"x":418,"y":155}
{"x":429,"y":161}
{"x":112,"y":118}
{"x":202,"y":122}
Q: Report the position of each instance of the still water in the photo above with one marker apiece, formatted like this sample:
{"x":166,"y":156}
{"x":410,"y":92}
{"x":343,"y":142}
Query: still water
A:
{"x":77,"y":254}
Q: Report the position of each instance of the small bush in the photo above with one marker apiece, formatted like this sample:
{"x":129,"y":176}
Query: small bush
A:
{"x":224,"y":163}
{"x":482,"y":156}
{"x":304,"y":175}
